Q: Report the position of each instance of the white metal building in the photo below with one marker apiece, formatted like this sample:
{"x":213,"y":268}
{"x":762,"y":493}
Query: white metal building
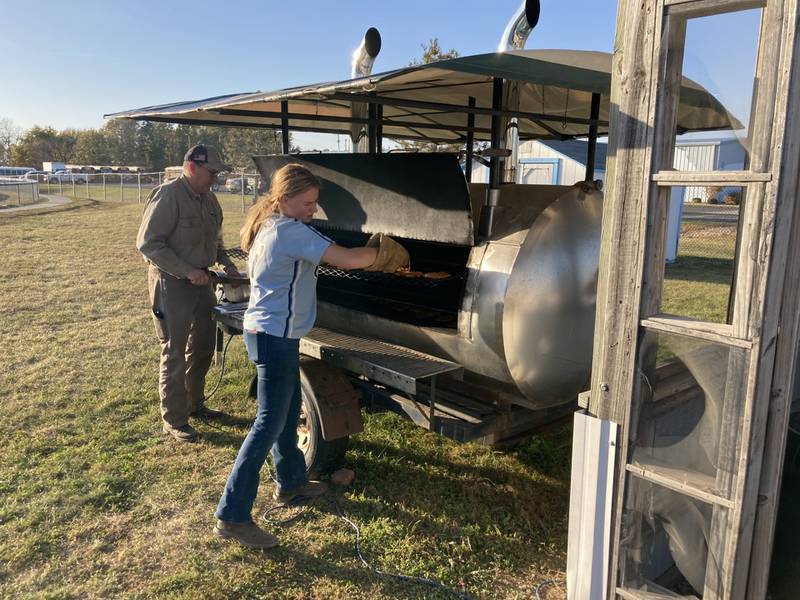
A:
{"x":556,"y":162}
{"x":707,"y":155}
{"x":552,"y":162}
{"x":559,"y":162}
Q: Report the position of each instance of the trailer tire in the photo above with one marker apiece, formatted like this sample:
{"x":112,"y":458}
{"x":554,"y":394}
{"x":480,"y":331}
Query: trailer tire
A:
{"x":322,"y":456}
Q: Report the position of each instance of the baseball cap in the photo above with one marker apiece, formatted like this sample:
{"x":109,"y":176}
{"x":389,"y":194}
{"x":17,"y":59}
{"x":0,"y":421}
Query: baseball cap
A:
{"x":207,"y":156}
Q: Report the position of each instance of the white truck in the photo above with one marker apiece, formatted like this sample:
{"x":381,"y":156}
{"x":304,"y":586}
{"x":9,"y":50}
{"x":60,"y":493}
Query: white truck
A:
{"x":66,"y":177}
{"x":52,"y":167}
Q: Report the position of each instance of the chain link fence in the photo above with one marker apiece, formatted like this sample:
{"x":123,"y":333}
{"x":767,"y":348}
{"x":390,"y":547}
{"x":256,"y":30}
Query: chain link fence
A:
{"x":18,"y":191}
{"x":699,"y":283}
{"x":135,"y":187}
{"x":708,"y":231}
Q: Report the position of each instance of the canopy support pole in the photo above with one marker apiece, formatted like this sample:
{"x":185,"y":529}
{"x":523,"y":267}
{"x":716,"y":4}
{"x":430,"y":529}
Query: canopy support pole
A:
{"x":379,"y":128}
{"x":372,"y":129}
{"x":470,"y":140}
{"x":591,"y":151}
{"x":486,"y":223}
{"x":495,"y":171}
{"x":285,"y":125}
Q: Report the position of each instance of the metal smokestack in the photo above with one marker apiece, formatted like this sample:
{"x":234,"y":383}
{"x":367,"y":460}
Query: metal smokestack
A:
{"x":520,"y":27}
{"x":364,"y":56}
{"x":514,"y":38}
{"x":361,"y":66}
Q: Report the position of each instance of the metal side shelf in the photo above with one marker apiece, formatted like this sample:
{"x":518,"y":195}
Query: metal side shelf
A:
{"x":381,"y":362}
{"x":394,"y":366}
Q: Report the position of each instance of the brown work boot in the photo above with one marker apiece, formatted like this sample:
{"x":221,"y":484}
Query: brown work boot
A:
{"x":309,"y":490}
{"x":247,"y":534}
{"x":184,"y":433}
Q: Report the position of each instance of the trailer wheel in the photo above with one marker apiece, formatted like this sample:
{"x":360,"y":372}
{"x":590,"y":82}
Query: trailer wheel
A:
{"x":322,"y":456}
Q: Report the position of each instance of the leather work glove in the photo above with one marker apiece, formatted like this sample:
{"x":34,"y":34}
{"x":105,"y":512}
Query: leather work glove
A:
{"x":391,"y":255}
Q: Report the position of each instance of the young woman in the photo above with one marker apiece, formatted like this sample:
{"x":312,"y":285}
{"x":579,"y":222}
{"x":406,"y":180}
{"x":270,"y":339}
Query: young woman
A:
{"x":284,"y":252}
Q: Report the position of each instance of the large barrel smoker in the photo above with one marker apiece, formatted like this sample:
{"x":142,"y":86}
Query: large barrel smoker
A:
{"x":499,"y":342}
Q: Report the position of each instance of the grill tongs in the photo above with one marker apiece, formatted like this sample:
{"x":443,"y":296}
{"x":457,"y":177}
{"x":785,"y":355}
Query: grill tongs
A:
{"x":223,"y":278}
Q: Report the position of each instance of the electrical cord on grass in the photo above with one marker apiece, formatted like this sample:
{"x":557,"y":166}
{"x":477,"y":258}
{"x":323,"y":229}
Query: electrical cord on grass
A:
{"x":543,"y":584}
{"x":304,"y":503}
{"x":221,"y":368}
{"x":216,"y":385}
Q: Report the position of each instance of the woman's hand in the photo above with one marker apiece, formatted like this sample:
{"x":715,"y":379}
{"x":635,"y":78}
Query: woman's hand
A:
{"x":391,"y":255}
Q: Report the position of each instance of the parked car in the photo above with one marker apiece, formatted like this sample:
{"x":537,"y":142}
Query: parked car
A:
{"x":66,"y":177}
{"x":39,"y":176}
{"x":219,"y":184}
{"x":234,"y":185}
{"x":172,"y":172}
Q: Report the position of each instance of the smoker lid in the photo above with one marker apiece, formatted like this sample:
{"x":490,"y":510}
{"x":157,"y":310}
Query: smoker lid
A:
{"x":416,"y":196}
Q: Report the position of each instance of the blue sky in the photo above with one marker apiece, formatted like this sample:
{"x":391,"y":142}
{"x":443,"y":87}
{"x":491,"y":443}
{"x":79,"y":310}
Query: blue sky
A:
{"x":66,"y":64}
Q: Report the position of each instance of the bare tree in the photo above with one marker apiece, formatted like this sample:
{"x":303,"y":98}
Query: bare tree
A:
{"x":431,"y":52}
{"x":9,"y":134}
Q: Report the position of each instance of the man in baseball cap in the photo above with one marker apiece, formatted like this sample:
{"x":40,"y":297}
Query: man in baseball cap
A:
{"x":206,"y":156}
{"x":180,"y":237}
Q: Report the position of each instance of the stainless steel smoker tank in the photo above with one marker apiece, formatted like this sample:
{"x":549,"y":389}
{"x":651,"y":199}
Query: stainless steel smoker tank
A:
{"x":519,"y":306}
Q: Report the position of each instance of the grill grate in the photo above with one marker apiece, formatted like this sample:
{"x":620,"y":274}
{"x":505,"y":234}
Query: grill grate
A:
{"x":235,"y":253}
{"x":369,"y":276}
{"x":387,"y":278}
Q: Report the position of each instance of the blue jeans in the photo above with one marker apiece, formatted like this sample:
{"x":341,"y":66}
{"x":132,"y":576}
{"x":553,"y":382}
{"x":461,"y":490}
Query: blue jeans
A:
{"x":278,"y":367}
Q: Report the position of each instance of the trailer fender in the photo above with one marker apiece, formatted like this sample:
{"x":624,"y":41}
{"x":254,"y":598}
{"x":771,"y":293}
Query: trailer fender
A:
{"x":333,"y":396}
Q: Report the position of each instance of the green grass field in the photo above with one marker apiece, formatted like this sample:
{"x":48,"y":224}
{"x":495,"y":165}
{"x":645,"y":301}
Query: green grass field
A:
{"x":97,"y":503}
{"x":698,"y":283}
{"x":129,"y":192}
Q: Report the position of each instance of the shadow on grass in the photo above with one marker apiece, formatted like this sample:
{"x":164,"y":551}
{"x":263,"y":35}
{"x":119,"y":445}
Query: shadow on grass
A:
{"x":417,"y":487}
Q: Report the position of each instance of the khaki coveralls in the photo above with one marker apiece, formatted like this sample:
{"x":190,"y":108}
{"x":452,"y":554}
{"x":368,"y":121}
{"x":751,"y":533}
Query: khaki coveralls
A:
{"x":181,"y":231}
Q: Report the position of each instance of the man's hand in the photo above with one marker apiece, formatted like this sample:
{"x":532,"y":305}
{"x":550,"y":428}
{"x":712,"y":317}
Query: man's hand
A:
{"x":199,"y":277}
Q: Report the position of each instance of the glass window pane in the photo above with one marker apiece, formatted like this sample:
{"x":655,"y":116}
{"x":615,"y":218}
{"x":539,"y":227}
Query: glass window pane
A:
{"x":689,"y":414}
{"x":667,"y":545}
{"x":720,"y":55}
{"x":700,"y":251}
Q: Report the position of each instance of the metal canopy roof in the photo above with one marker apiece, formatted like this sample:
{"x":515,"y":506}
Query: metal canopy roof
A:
{"x":430,"y":102}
